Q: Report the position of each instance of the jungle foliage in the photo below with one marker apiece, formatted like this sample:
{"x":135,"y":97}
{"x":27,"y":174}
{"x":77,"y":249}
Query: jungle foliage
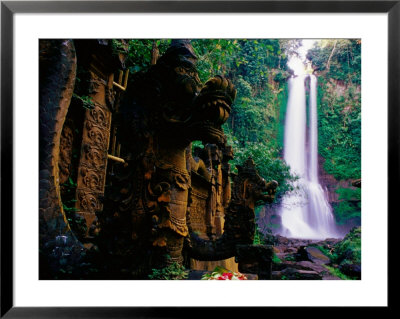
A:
{"x":339,"y":59}
{"x":345,"y":256}
{"x":258,"y":70}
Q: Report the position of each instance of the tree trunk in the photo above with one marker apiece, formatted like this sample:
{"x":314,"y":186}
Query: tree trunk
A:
{"x":328,"y":63}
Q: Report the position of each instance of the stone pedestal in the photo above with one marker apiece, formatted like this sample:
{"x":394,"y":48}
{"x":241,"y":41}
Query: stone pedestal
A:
{"x":255,"y":259}
{"x":210,"y":265}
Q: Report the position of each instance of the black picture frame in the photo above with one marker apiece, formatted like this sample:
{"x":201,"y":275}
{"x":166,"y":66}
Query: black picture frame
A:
{"x":9,"y":8}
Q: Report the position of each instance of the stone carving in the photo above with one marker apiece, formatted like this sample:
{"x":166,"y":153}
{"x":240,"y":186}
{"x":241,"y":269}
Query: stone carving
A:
{"x":173,"y":192}
{"x":66,"y":143}
{"x":161,"y":114}
{"x":227,"y":155}
{"x":96,"y":135}
{"x":91,"y":179}
{"x":198,"y":202}
{"x":255,"y":259}
{"x":100,"y":116}
{"x":239,"y":227}
{"x":93,"y":159}
{"x":163,"y":204}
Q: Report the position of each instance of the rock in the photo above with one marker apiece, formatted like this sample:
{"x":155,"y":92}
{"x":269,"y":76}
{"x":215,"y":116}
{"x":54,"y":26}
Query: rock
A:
{"x":356,"y":183}
{"x":281,"y":256}
{"x":277,"y":250}
{"x":298,"y":274}
{"x":303,"y":243}
{"x":279,"y":266}
{"x":282,"y":240}
{"x":301,"y":254}
{"x":329,"y":242}
{"x":196,"y":274}
{"x":324,"y":272}
{"x":316,"y":256}
{"x":330,"y":277}
{"x":351,"y":270}
{"x":301,"y":259}
{"x":91,"y":246}
{"x":332,"y":241}
{"x":308,"y":265}
{"x":255,"y":259}
{"x":290,"y":250}
{"x":276,"y":275}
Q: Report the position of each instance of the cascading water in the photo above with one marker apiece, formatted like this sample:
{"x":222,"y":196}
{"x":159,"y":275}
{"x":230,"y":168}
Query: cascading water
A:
{"x":306,"y":212}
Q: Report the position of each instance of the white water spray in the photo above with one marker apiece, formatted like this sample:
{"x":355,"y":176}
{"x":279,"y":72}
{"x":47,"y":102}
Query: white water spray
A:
{"x":306,"y":213}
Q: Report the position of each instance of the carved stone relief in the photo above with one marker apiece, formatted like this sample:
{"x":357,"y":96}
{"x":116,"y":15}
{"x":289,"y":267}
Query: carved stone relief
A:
{"x":199,"y":198}
{"x":93,"y":160}
{"x":66,"y":144}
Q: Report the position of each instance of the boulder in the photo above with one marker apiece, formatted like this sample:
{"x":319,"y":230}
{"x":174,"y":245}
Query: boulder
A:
{"x":277,"y":250}
{"x":308,"y":265}
{"x":276,"y":275}
{"x":316,"y":256}
{"x":351,"y":270}
{"x":282,"y":240}
{"x":290,"y":250}
{"x":356,"y":183}
{"x":301,"y":254}
{"x":255,"y":259}
{"x":298,"y":274}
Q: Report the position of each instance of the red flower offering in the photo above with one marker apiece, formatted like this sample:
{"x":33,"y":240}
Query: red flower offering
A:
{"x":221,"y":273}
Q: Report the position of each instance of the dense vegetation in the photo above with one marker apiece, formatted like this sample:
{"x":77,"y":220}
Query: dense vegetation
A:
{"x":345,"y":255}
{"x":258,"y":68}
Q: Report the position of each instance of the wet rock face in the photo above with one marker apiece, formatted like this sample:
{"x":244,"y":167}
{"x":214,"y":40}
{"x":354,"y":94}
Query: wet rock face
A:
{"x":297,"y":274}
{"x":316,"y":256}
{"x":301,"y":259}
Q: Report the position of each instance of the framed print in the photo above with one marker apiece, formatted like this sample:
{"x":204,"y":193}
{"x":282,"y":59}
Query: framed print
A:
{"x":196,"y":140}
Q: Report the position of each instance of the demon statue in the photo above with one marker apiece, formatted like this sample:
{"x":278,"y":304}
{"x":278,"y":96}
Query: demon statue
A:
{"x":166,"y":109}
{"x":152,"y":200}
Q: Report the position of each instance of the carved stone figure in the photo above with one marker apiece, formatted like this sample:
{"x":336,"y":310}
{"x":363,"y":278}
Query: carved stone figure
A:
{"x":165,"y":110}
{"x":156,"y":202}
{"x":248,"y":189}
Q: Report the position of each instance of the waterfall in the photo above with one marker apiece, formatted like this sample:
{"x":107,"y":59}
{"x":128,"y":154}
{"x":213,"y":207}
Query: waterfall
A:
{"x":305,"y":213}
